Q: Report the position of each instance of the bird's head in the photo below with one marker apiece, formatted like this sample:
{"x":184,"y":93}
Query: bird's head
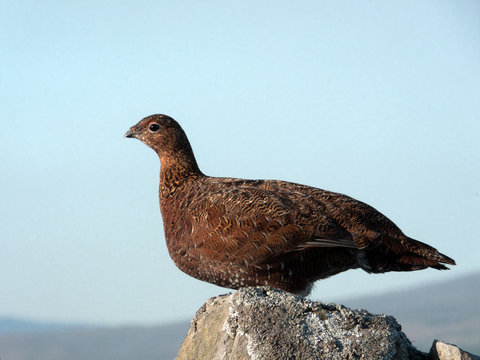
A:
{"x":160,"y":132}
{"x":165,"y":136}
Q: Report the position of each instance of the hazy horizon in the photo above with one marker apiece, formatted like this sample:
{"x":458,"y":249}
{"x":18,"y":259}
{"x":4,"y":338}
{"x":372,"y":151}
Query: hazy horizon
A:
{"x":447,"y":311}
{"x":47,"y":324}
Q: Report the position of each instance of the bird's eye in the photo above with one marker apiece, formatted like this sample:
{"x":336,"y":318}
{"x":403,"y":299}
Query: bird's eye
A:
{"x":154,"y":127}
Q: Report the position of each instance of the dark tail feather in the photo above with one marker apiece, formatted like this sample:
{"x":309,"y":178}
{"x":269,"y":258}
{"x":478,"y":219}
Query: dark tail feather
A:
{"x":407,"y":255}
{"x":414,"y":262}
{"x":431,"y":255}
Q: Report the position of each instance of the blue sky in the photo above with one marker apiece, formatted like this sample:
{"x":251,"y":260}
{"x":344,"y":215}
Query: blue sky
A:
{"x":375,"y":99}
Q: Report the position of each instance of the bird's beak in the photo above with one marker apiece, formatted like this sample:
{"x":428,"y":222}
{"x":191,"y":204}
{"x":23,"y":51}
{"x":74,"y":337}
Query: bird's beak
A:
{"x":130,"y":134}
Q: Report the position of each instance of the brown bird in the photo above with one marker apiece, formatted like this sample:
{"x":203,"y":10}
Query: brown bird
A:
{"x":235,"y":232}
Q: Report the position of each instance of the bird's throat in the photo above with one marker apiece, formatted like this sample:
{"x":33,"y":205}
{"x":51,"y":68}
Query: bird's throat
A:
{"x":174,"y":174}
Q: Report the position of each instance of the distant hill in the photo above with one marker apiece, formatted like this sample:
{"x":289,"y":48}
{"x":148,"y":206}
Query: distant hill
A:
{"x":94,"y":343}
{"x":448,"y":311}
{"x":14,"y":325}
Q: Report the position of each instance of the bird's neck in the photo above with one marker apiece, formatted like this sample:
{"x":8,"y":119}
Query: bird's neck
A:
{"x":175,"y":171}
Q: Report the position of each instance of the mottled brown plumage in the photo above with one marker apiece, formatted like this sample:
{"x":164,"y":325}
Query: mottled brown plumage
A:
{"x":235,"y":232}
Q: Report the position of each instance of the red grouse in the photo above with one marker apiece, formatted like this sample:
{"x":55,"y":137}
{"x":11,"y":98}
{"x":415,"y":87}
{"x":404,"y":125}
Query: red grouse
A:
{"x":236,"y":232}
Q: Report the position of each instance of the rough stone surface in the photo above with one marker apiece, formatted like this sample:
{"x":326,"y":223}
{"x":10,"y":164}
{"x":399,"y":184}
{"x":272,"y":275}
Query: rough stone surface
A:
{"x":444,"y":351}
{"x":263,"y":323}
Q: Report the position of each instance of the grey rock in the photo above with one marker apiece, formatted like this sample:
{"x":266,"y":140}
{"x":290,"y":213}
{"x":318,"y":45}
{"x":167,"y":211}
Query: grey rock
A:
{"x":263,"y":323}
{"x":444,"y":351}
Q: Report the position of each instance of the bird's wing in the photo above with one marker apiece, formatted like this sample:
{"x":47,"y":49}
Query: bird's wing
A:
{"x":246,"y":218}
{"x":366,"y":225}
{"x":345,"y":242}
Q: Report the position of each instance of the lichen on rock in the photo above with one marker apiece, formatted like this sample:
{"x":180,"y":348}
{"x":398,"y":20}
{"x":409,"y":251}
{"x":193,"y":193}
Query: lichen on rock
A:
{"x":263,"y":323}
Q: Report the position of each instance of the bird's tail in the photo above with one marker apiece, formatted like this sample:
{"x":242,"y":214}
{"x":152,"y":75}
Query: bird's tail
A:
{"x":408,"y":255}
{"x":426,"y":255}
